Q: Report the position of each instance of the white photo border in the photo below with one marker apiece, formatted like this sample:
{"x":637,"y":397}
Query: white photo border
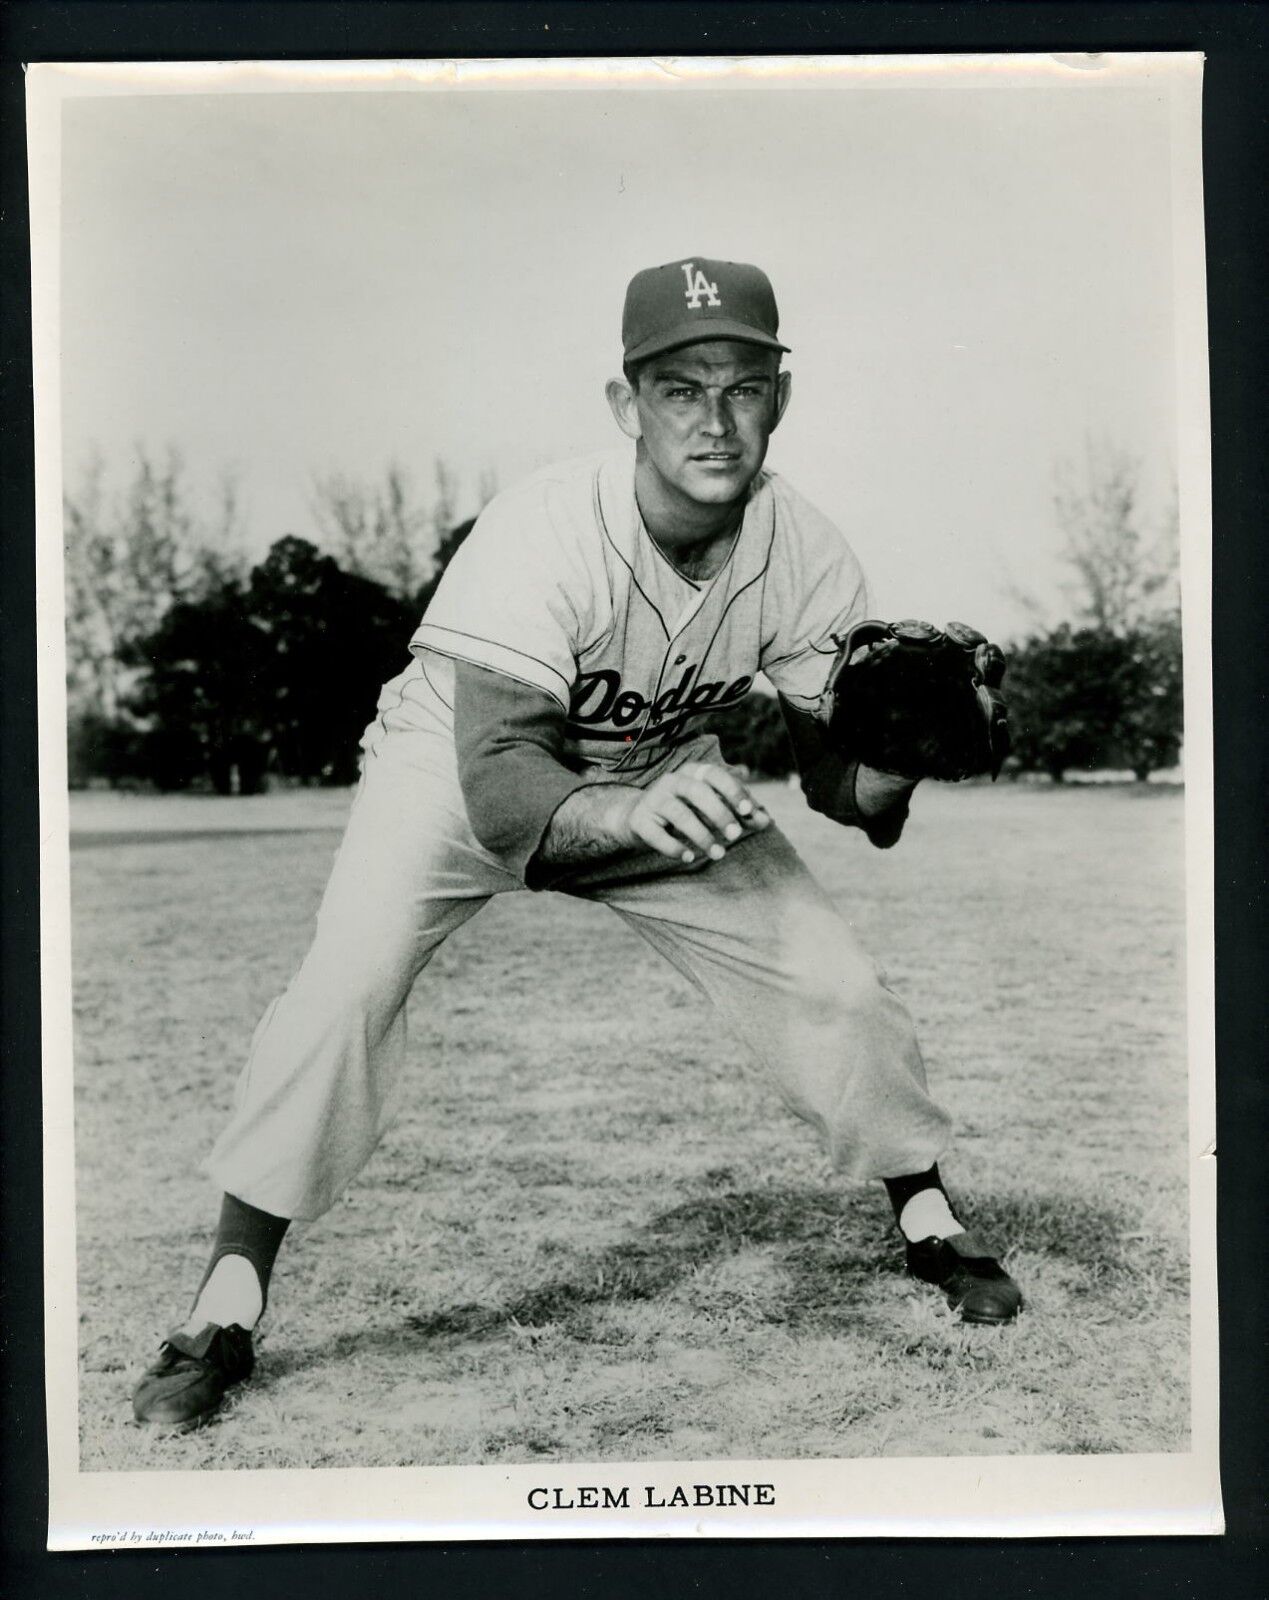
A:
{"x":972,"y":1497}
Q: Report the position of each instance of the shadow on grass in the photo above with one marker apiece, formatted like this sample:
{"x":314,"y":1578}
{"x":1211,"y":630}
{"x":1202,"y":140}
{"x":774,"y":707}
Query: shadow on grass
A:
{"x":833,"y":1246}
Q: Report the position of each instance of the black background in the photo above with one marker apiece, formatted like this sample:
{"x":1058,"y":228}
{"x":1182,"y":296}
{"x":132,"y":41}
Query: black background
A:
{"x":1236,"y":161}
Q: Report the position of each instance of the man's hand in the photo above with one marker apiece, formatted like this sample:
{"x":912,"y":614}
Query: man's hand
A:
{"x":699,"y":808}
{"x":696,"y":811}
{"x":877,"y":792}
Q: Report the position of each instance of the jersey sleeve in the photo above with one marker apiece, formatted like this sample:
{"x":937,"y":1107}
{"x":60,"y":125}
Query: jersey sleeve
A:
{"x":816,"y":592}
{"x":515,"y":596}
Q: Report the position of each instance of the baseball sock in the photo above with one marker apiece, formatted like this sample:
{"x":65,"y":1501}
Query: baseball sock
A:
{"x":921,"y":1206}
{"x":235,"y":1286}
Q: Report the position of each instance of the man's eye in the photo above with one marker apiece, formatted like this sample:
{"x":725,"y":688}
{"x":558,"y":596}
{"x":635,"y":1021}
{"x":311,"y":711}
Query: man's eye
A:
{"x":747,"y":391}
{"x":681,"y":394}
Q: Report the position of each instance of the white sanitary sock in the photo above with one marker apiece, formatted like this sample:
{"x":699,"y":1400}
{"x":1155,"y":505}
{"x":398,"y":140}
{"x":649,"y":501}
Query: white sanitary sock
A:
{"x":231,"y":1294}
{"x":926,"y":1214}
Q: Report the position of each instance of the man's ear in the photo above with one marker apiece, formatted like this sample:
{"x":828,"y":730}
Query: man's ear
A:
{"x":621,"y":399}
{"x":784,"y":388}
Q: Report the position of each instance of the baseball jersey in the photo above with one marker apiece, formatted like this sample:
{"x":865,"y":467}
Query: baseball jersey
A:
{"x":560,"y":587}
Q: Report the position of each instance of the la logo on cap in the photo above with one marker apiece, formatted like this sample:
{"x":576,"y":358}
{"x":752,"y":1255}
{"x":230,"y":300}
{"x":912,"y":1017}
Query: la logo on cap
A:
{"x":697,"y":285}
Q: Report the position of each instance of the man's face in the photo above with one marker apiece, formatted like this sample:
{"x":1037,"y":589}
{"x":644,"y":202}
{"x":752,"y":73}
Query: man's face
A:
{"x":703,"y":416}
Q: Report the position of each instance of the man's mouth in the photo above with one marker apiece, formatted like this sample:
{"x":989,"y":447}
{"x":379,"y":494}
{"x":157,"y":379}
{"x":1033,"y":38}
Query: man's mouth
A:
{"x":718,"y":455}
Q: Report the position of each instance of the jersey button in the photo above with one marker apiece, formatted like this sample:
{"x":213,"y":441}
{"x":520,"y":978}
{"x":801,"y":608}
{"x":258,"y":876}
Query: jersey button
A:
{"x":679,"y":660}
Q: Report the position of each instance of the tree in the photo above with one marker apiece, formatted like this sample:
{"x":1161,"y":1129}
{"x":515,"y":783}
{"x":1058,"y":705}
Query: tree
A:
{"x":1090,"y":698}
{"x":278,"y":672}
{"x":388,"y":533}
{"x":1151,"y":718}
{"x":384,"y":531}
{"x":752,"y":733}
{"x":99,"y":747}
{"x":333,"y":638}
{"x":1064,"y":702}
{"x":445,"y":553}
{"x":94,"y":620}
{"x":1123,"y":573}
{"x":1105,"y":688}
{"x":129,"y":555}
{"x":200,"y":701}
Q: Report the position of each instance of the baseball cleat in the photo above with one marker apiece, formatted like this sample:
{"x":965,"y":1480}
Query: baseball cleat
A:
{"x":974,"y":1283}
{"x":189,"y":1379}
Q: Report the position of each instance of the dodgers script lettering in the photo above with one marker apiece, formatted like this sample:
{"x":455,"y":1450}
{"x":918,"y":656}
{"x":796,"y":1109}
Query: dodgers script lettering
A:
{"x":600,"y":697}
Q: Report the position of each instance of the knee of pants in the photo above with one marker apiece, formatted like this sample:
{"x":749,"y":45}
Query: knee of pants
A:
{"x":363,"y":974}
{"x":836,"y":989}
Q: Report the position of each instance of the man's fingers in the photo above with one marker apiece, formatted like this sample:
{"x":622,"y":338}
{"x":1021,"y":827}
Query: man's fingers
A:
{"x":680,"y":816}
{"x":731,"y":789}
{"x":699,"y":809}
{"x":751,"y":814}
{"x":660,"y":838}
{"x":714,"y":808}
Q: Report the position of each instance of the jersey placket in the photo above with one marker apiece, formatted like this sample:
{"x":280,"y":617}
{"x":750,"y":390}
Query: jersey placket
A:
{"x":665,"y":586}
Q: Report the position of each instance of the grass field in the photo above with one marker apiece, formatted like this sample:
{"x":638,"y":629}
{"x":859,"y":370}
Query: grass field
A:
{"x":587,"y":1242}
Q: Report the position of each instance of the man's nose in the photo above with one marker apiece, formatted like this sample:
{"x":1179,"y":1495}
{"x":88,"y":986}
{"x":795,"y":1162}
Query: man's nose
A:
{"x":717,"y":419}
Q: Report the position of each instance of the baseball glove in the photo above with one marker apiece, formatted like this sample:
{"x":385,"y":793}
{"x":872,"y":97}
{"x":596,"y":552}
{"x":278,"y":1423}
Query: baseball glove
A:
{"x":917,"y":701}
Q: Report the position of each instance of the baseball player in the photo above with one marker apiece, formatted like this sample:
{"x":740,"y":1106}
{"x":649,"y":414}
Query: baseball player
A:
{"x":552,"y":730}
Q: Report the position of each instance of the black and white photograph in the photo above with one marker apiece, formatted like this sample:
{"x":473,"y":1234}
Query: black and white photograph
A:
{"x":625,"y":748}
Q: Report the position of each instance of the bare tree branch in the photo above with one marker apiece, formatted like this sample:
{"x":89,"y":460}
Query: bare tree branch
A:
{"x":386,"y":531}
{"x":1121,"y":573}
{"x":129,"y":555}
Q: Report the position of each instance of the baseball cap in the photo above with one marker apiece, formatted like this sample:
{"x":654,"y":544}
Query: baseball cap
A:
{"x":684,"y":302}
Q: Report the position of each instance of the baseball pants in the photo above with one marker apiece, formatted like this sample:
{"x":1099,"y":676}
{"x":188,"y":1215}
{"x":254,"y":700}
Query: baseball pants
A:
{"x":754,"y":933}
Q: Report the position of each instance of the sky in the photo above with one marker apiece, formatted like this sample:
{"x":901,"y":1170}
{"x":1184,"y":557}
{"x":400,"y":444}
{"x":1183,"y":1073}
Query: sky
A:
{"x":975,"y":283}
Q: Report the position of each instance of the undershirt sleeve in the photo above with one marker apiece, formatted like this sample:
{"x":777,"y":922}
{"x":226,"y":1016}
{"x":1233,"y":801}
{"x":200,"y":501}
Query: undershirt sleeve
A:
{"x":512,"y":763}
